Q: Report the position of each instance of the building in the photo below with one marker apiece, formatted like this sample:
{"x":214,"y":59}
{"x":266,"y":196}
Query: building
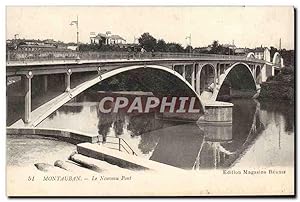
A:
{"x":240,"y":51}
{"x":35,"y":45}
{"x":107,"y":39}
{"x":229,"y":49}
{"x":203,"y":49}
{"x":229,"y":46}
{"x":57,"y":44}
{"x":262,"y":53}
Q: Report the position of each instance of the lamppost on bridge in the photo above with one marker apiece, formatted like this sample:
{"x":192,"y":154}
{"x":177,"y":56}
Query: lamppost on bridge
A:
{"x":15,"y":36}
{"x":75,"y":22}
{"x":190,"y":43}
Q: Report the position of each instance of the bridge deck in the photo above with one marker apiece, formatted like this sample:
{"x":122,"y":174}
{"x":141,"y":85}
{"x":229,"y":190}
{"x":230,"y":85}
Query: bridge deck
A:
{"x":59,"y":66}
{"x":80,"y":61}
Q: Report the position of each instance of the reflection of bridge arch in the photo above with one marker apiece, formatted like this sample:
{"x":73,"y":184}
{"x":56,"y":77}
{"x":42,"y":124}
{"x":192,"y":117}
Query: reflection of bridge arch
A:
{"x":226,"y":73}
{"x":84,"y":86}
{"x":250,"y":55}
{"x":255,"y":130}
{"x":221,"y":152}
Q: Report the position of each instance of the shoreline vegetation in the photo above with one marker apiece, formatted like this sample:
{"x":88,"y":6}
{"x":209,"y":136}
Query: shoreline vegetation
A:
{"x":279,"y":87}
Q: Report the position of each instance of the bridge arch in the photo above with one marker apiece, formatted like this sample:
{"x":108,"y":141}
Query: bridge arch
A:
{"x":250,"y":55}
{"x":277,"y":58}
{"x":167,"y":69}
{"x":248,"y":73}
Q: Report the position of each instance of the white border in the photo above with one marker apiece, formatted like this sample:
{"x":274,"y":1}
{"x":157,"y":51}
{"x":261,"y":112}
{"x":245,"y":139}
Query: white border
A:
{"x":111,"y":2}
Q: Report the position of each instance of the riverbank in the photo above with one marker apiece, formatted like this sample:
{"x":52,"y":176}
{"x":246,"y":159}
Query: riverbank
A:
{"x":279,"y":87}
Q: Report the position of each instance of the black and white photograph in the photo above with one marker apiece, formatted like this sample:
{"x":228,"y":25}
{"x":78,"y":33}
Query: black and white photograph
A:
{"x":118,"y":101}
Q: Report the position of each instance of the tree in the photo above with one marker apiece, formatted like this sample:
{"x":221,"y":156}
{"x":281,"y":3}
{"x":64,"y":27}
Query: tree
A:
{"x":174,"y":47}
{"x":147,"y":41}
{"x":188,"y":49}
{"x":288,"y":57}
{"x":214,"y":47}
{"x":161,"y":46}
{"x":217,"y":48}
{"x":273,"y":51}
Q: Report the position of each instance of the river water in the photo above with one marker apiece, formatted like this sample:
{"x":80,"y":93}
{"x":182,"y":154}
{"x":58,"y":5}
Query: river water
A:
{"x":262,"y":134}
{"x":26,"y":150}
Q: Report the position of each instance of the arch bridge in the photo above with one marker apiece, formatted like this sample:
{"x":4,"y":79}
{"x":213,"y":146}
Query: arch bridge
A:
{"x":204,"y":74}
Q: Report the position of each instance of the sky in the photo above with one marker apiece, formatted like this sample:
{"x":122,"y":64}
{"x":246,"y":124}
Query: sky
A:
{"x":247,"y":26}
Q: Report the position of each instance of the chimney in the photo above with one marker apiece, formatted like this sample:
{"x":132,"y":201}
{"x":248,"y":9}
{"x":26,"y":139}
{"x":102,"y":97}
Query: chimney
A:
{"x":279,"y":43}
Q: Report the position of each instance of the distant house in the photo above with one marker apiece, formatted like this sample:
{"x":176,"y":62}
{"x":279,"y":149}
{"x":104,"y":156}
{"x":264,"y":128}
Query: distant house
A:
{"x":240,"y":51}
{"x":228,"y":49}
{"x":72,"y":47}
{"x":107,"y":39}
{"x":203,"y":49}
{"x":11,"y":44}
{"x":35,"y":45}
{"x":61,"y":45}
{"x":229,"y":46}
{"x":262,"y":53}
{"x":116,"y":39}
{"x":57,"y":44}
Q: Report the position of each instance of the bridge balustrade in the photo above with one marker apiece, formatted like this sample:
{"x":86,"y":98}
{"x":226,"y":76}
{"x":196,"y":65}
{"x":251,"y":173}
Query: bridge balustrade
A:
{"x":27,"y":56}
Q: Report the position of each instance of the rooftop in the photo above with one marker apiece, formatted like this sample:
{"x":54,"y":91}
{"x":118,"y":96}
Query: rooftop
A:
{"x":114,"y":36}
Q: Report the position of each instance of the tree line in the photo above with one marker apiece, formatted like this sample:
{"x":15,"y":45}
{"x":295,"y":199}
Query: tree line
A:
{"x":146,"y":42}
{"x":150,"y":44}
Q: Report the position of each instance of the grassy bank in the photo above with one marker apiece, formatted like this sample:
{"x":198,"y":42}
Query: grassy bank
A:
{"x":279,"y":87}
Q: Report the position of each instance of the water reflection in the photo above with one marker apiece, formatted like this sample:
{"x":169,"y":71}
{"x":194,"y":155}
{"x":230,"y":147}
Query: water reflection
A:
{"x":182,"y":144}
{"x":223,"y":145}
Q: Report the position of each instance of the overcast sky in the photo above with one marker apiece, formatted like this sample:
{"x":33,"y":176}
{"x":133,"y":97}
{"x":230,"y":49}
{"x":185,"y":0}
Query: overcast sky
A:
{"x":247,"y":26}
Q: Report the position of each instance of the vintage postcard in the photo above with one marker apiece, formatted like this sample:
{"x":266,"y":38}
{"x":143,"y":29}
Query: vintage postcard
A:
{"x":150,"y":101}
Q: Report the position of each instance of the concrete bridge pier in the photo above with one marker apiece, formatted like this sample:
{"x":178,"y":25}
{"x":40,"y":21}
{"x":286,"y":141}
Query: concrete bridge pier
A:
{"x":198,"y":74}
{"x":183,"y":71}
{"x":215,"y":76}
{"x":218,"y":73}
{"x":27,"y":88}
{"x":218,"y":112}
{"x":265,"y":72}
{"x":68,"y":80}
{"x":193,"y":75}
{"x":253,"y":68}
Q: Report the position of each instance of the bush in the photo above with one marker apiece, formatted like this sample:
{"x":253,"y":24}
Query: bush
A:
{"x":280,"y":86}
{"x":270,"y":78}
{"x":287,"y":70}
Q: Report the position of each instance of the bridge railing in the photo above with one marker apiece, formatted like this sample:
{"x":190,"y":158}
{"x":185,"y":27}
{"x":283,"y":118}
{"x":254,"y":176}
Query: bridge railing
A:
{"x":117,"y":143}
{"x":41,"y":56}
